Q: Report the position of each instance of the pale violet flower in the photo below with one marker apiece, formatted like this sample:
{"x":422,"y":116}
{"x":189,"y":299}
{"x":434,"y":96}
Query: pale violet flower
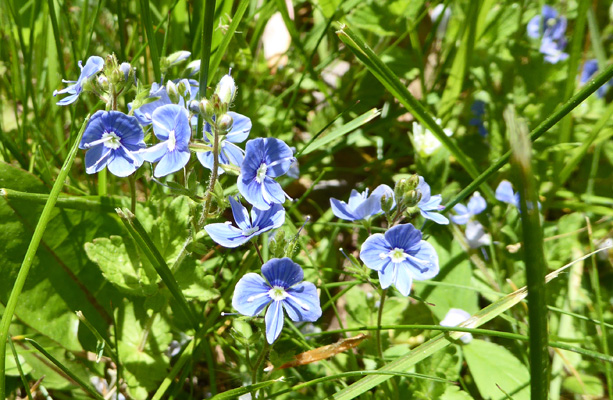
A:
{"x":229,"y":152}
{"x":399,"y":256}
{"x":551,"y":28}
{"x":476,"y":236}
{"x":361,"y":205}
{"x":93,"y":65}
{"x":454,"y":317}
{"x":429,"y":206}
{"x":424,"y":141}
{"x":475,"y":206}
{"x":505,"y":193}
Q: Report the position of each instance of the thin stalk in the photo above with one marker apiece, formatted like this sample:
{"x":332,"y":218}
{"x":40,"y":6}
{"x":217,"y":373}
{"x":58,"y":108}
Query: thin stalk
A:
{"x":207,"y":20}
{"x":212,"y":180}
{"x":132,"y":181}
{"x":379,"y":317}
{"x":256,"y":374}
{"x":26,"y":386}
{"x":155,"y":58}
{"x":31,"y":253}
{"x":257,"y":250}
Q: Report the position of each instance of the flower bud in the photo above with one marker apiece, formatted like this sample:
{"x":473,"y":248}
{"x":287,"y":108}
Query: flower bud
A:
{"x":103,"y":82}
{"x":413,"y":182}
{"x":194,"y":106}
{"x":226,"y":89}
{"x":171,"y":89}
{"x":412,"y":198}
{"x":178,"y":57}
{"x":126,"y":69}
{"x":387,"y":202}
{"x":183,"y":88}
{"x":400,"y":188}
{"x":206,"y":108}
{"x":224,"y":123}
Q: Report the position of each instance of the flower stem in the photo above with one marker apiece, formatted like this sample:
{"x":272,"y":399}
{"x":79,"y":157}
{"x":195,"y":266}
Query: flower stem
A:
{"x":132,"y":181}
{"x":379,"y":317}
{"x":213,"y":179}
{"x":257,"y":249}
{"x":256,"y":374}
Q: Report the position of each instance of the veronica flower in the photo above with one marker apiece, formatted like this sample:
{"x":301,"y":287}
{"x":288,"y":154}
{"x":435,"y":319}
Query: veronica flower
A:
{"x":454,"y":317}
{"x":478,"y":110}
{"x":553,"y":29}
{"x":399,"y":256}
{"x":114,"y":139}
{"x":93,"y":65}
{"x":265,"y":159}
{"x":589,"y":69}
{"x":430,"y":205}
{"x":229,"y":153}
{"x":505,"y":193}
{"x":476,"y":205}
{"x":282,"y":289}
{"x":145,"y":112}
{"x":424,"y":141}
{"x":476,"y":236}
{"x":171,"y":126}
{"x":249,"y":226}
{"x":361,"y":205}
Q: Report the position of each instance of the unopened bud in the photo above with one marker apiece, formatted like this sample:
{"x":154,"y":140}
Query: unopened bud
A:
{"x":226,"y":89}
{"x":413,"y":182}
{"x":206,"y":108}
{"x":126,"y":69}
{"x":387,"y":202}
{"x":401,"y":188}
{"x":103,"y":82}
{"x":171,"y":90}
{"x":412,"y":198}
{"x":178,"y":57}
{"x":183,"y":88}
{"x":225,"y":122}
{"x":194,"y":106}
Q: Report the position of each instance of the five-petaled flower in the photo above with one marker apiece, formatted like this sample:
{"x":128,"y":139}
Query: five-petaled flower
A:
{"x":552,"y":28}
{"x":258,"y":222}
{"x":430,"y":205}
{"x":93,"y":65}
{"x":144,"y":113}
{"x":399,"y":256}
{"x":114,"y":139}
{"x":265,"y":159}
{"x":170,"y":125}
{"x":282,"y":289}
{"x":475,"y":206}
{"x":229,"y":153}
{"x":361,"y":205}
{"x":505,"y":193}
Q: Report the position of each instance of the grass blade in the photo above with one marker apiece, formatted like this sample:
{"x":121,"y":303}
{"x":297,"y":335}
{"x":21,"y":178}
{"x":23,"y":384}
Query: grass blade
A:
{"x":153,"y":48}
{"x":221,"y":49}
{"x":31,"y":253}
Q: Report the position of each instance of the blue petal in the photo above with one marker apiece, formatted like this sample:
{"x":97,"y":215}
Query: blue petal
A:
{"x":278,"y":157}
{"x":404,"y":280}
{"x":534,"y":27}
{"x":282,"y":272}
{"x":369,"y":208}
{"x":121,"y":164}
{"x":95,"y":129}
{"x":172,"y":117}
{"x":463,"y":215}
{"x":356,"y":198}
{"x":252,"y":192}
{"x":424,"y":189}
{"x":96,"y":158}
{"x":68,"y":100}
{"x":93,"y":65}
{"x":549,"y":12}
{"x":274,"y":321}
{"x":250,"y":295}
{"x":240,"y":128}
{"x":504,"y":192}
{"x":341,"y":210}
{"x":386,"y":275}
{"x":304,"y":306}
{"x":272,"y":218}
{"x":404,"y":236}
{"x":435,"y":217}
{"x":232,"y":153}
{"x":426,"y":266}
{"x":254,"y":157}
{"x":173,"y":161}
{"x":476,"y":236}
{"x":476,"y":204}
{"x":272,"y":191}
{"x":432,"y":204}
{"x":589,"y":69}
{"x":154,"y":153}
{"x":374,"y":251}
{"x":226,"y":235}
{"x":241,"y":216}
{"x":384,"y":190}
{"x":206,"y":159}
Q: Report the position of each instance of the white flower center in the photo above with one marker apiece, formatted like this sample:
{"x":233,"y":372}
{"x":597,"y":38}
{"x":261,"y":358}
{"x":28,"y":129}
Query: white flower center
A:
{"x":397,"y":255}
{"x":277,"y":293}
{"x":172,"y":140}
{"x":250,"y":231}
{"x":111,"y":140}
{"x":261,"y":173}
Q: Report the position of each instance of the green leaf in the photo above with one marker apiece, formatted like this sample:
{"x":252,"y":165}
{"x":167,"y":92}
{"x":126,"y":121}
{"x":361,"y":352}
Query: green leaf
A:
{"x":588,"y":385}
{"x":454,"y":393}
{"x":492,"y":365}
{"x":11,"y":365}
{"x":196,"y":280}
{"x":120,"y":265}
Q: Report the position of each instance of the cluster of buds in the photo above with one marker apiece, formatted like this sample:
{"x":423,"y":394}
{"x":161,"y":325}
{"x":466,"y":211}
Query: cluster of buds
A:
{"x":214,"y":110}
{"x":406,"y":197}
{"x":115,"y":77}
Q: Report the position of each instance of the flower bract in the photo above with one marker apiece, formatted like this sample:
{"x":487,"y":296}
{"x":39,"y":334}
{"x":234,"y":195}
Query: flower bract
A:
{"x":171,"y":126}
{"x":399,"y":256}
{"x":247,"y":225}
{"x":361,"y":205}
{"x":430,"y":205}
{"x":282,"y":289}
{"x":229,"y":153}
{"x":93,"y":65}
{"x":475,"y":206}
{"x":265,"y":159}
{"x":112,"y":138}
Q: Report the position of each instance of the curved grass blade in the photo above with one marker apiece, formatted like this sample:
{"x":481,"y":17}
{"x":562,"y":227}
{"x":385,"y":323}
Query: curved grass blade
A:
{"x":221,"y":49}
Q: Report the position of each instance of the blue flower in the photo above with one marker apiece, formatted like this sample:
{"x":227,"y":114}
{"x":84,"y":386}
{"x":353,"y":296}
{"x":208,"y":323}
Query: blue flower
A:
{"x":478,"y":110}
{"x":505,"y":193}
{"x":361,"y":205}
{"x":265,"y":159}
{"x":399,"y":256}
{"x":248,"y":226}
{"x":476,"y":236}
{"x":589,"y":69}
{"x":429,"y":205}
{"x":282,"y":289}
{"x":93,"y":65}
{"x":229,"y":153}
{"x":170,"y":125}
{"x":114,"y":139}
{"x":145,"y":112}
{"x":553,"y":29}
{"x":476,"y":205}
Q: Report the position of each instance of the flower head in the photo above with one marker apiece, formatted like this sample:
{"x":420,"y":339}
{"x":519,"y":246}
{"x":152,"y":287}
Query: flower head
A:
{"x":505,"y":193}
{"x":361,"y":205}
{"x":282,"y":289}
{"x":454,"y":317}
{"x":144,"y":113}
{"x":400,"y":256}
{"x":424,"y":141}
{"x":112,"y":138}
{"x":93,"y":65}
{"x":170,"y":125}
{"x":249,"y":226}
{"x":430,"y":205}
{"x":476,"y":236}
{"x":476,"y":205}
{"x":229,"y":153}
{"x":553,"y":29}
{"x":478,"y":110}
{"x":265,"y":159}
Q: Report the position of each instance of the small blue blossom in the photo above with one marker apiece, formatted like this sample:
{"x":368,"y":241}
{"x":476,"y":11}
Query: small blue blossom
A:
{"x":282,"y":289}
{"x":170,"y":125}
{"x":454,"y":317}
{"x":589,"y":69}
{"x":399,"y":256}
{"x":430,"y":205}
{"x":145,"y":112}
{"x":553,"y":29}
{"x":505,"y":193}
{"x":361,"y":205}
{"x":93,"y":65}
{"x":112,"y":138}
{"x":478,"y":110}
{"x":229,"y":153}
{"x":265,"y":159}
{"x":248,"y":225}
{"x":476,"y":236}
{"x":476,"y":205}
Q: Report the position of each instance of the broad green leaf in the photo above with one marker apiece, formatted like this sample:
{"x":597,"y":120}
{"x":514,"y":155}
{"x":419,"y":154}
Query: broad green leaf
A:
{"x":454,"y":393}
{"x":196,"y":280}
{"x":11,"y":365}
{"x":491,"y":365}
{"x":588,"y":385}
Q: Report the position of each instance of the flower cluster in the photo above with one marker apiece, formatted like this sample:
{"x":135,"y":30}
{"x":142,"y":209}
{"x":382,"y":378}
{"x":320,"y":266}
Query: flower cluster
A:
{"x":551,"y":29}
